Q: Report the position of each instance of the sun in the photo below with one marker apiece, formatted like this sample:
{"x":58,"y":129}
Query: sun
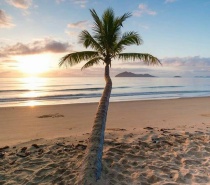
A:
{"x":34,"y":64}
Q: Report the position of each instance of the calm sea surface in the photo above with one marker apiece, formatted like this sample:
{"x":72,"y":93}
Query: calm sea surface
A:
{"x":48,"y":91}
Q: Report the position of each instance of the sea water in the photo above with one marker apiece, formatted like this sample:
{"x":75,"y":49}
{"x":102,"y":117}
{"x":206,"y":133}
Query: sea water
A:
{"x":51,"y":91}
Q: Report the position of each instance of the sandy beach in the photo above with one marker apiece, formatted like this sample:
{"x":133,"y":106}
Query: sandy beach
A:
{"x":146,"y":142}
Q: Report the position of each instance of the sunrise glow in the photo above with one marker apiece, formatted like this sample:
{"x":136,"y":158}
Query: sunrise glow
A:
{"x":34,"y":64}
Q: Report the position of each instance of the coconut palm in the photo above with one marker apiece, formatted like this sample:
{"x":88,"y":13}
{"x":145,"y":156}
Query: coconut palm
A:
{"x":107,"y":43}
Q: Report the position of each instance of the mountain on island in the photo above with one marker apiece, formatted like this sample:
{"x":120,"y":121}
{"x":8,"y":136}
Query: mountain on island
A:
{"x":129,"y":74}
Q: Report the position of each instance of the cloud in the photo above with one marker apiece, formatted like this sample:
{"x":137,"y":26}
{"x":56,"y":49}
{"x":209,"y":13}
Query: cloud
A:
{"x":3,"y":55}
{"x":195,"y":61}
{"x":143,"y":9}
{"x":171,"y":66}
{"x":8,"y":68}
{"x":81,"y":3}
{"x":22,"y":4}
{"x":170,"y":1}
{"x":5,"y":20}
{"x":74,"y":27}
{"x":8,"y":63}
{"x":188,"y":66}
{"x":72,"y":33}
{"x":36,"y":47}
{"x":78,"y":25}
{"x":11,"y":73}
{"x":59,"y":1}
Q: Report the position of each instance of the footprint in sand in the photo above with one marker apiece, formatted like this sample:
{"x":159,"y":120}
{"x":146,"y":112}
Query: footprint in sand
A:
{"x":116,"y":129}
{"x":56,"y":115}
{"x":205,"y":115}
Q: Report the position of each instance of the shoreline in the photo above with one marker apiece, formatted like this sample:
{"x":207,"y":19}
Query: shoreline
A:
{"x":116,"y":101}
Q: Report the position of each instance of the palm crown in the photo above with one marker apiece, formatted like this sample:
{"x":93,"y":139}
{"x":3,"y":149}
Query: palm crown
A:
{"x":107,"y":42}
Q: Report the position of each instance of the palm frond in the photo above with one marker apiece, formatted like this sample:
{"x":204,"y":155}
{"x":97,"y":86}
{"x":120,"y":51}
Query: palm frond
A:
{"x":146,"y":58}
{"x":88,"y":41}
{"x":75,"y":58}
{"x":108,"y":23}
{"x":97,"y":22}
{"x":122,"y":18}
{"x":111,"y":30}
{"x":94,"y":61}
{"x":130,"y":38}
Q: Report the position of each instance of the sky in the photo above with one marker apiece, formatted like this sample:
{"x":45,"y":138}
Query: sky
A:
{"x":35,"y":34}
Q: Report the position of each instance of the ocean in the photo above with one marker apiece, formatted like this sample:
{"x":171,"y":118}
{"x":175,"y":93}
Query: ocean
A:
{"x":51,"y":91}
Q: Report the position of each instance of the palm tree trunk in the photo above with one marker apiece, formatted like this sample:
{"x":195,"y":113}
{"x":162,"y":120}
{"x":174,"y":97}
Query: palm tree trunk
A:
{"x":92,"y":164}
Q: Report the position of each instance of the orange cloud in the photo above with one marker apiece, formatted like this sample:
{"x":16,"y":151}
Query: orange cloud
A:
{"x":36,"y":47}
{"x":5,"y":20}
{"x":22,"y":4}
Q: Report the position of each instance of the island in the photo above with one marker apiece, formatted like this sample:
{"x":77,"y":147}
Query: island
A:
{"x":177,"y":76}
{"x":129,"y":74}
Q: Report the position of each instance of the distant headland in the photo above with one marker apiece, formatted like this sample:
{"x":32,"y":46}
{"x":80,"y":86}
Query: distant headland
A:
{"x":129,"y":74}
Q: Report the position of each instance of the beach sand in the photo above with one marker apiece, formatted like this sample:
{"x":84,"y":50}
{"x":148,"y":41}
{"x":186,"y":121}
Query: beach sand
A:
{"x":146,"y":142}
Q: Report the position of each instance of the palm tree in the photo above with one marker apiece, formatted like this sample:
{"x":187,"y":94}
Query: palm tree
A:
{"x":106,"y":43}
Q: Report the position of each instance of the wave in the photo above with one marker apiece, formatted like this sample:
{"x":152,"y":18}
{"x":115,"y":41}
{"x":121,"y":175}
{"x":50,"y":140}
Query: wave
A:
{"x":16,"y":90}
{"x":59,"y":90}
{"x":48,"y":90}
{"x":97,"y":95}
{"x":53,"y":97}
{"x":154,"y":87}
{"x":160,"y":93}
{"x":83,"y":89}
{"x":66,"y":85}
